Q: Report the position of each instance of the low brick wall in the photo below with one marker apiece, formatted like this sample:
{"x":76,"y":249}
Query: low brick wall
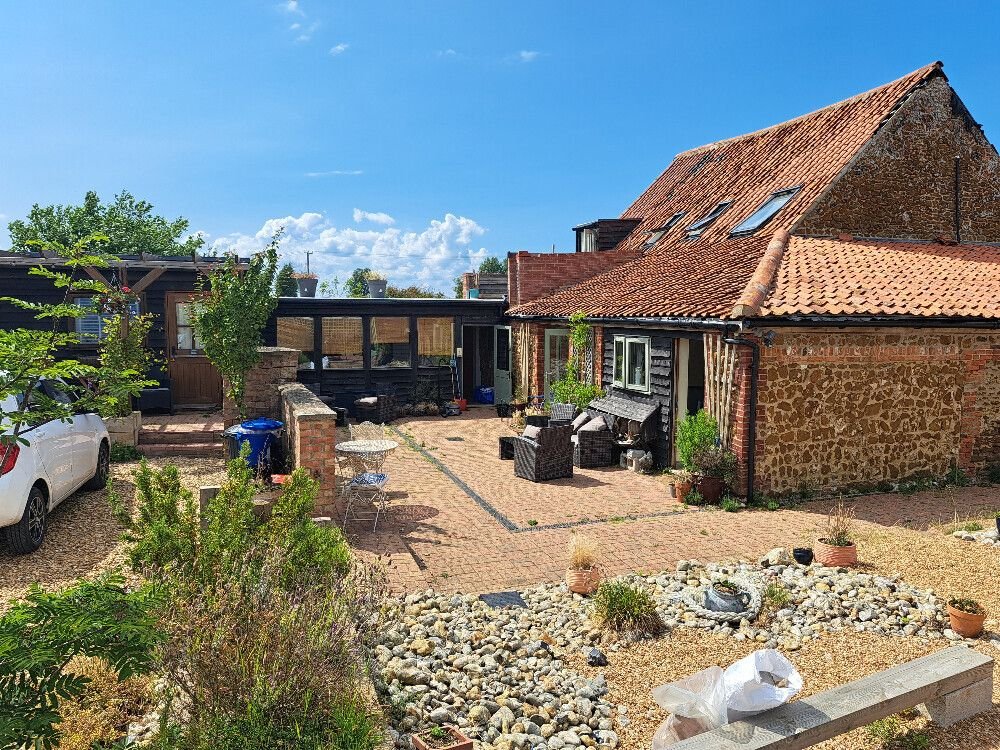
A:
{"x":277,"y":366}
{"x":310,"y":440}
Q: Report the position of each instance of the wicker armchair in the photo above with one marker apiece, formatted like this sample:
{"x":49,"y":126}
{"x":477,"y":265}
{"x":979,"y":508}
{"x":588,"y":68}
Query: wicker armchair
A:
{"x":593,"y":448}
{"x":380,"y":409}
{"x":561,"y":414}
{"x":551,"y":457}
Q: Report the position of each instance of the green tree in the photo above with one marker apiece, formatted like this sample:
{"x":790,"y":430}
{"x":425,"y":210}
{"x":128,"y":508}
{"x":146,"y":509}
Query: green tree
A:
{"x":458,"y":287}
{"x":412,"y":292}
{"x":29,"y":356}
{"x":124,"y":355}
{"x":357,"y":284}
{"x":128,"y":225}
{"x":284,"y":285}
{"x":231,"y":317}
{"x":493,"y":265}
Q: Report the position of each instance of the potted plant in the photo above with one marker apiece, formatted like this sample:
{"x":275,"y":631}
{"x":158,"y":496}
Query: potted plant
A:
{"x":966,"y":616}
{"x":725,"y":596}
{"x":715,"y":469}
{"x":307,"y":284}
{"x":836,"y":549}
{"x":681,"y":484}
{"x":376,"y":284}
{"x":582,"y":575}
{"x":439,"y":737}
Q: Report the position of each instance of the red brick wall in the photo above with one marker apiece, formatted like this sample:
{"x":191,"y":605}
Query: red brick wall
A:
{"x":276,"y":367}
{"x":310,"y":440}
{"x":535,"y":275}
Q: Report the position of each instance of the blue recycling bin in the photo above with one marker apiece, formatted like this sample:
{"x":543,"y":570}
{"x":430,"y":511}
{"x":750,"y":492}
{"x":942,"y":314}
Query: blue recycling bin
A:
{"x":484,"y":394}
{"x":259,"y":434}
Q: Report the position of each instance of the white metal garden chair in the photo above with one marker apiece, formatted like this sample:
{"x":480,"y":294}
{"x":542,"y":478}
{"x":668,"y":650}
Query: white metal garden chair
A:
{"x":363,"y":491}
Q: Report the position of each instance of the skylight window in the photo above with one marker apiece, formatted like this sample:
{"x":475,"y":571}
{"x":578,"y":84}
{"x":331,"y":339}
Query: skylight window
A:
{"x":658,"y":233}
{"x":763,"y":214}
{"x":703,"y":223}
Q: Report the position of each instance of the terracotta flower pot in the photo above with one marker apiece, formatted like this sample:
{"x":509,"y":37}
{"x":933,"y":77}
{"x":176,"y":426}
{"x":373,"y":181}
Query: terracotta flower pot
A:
{"x":711,"y":489}
{"x":835,"y":557}
{"x":966,"y":624}
{"x":457,"y":741}
{"x":681,"y":489}
{"x":583,"y":581}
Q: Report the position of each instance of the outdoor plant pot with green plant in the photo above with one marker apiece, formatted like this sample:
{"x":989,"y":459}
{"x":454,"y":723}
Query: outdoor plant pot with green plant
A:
{"x":307,"y":283}
{"x":967,"y":617}
{"x":716,"y":471}
{"x":836,"y":549}
{"x":441,"y":738}
{"x":376,"y":284}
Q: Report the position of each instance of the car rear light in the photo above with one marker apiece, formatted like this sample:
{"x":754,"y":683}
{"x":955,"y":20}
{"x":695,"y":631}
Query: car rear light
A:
{"x":10,"y":454}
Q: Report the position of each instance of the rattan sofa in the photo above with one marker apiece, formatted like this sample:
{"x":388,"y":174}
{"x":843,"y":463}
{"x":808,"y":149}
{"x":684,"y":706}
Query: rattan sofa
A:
{"x":550,"y":457}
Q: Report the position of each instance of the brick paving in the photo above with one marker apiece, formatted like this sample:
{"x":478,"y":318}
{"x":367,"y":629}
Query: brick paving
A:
{"x":435,"y":534}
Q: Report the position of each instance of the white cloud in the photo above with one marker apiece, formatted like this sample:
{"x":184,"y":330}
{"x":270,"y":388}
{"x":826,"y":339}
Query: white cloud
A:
{"x":306,"y":32}
{"x":376,"y":217}
{"x":292,"y":7}
{"x":526,"y":56}
{"x":447,"y":53}
{"x":432,"y":256}
{"x":336,"y":173}
{"x":339,"y":49}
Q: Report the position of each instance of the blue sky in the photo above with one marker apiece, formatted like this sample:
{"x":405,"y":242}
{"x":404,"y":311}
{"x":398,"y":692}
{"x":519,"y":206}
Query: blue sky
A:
{"x":416,"y":137}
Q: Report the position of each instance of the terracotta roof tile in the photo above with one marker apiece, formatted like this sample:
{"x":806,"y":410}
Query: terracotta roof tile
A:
{"x":706,"y":276}
{"x":821,"y":276}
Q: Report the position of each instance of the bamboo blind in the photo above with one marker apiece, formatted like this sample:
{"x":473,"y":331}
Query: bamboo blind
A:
{"x":390,"y":331}
{"x":435,"y":337}
{"x":342,"y":336}
{"x":720,"y":366}
{"x":296,"y":333}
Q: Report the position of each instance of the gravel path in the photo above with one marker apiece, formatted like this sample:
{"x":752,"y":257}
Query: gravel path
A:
{"x":84,"y":539}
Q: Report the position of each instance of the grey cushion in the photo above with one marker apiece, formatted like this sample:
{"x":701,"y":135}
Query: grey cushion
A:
{"x":597,"y":424}
{"x":531,"y":432}
{"x":580,"y":420}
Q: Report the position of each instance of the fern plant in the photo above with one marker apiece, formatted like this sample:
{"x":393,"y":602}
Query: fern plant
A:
{"x":42,"y":634}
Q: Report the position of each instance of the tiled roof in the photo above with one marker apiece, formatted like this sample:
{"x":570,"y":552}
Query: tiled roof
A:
{"x":834,"y":277}
{"x":706,"y":276}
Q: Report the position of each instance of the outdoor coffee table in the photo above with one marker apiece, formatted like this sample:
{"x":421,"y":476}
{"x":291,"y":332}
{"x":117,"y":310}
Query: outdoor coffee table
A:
{"x":368,"y":453}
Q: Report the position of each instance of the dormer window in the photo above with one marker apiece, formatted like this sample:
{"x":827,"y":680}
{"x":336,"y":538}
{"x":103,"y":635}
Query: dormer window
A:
{"x":588,"y":241}
{"x":657,"y":234}
{"x":706,"y":221}
{"x":764,"y":214}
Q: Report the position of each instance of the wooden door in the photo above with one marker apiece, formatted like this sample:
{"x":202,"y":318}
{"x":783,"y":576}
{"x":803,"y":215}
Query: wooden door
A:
{"x":194,"y":381}
{"x":501,"y":364}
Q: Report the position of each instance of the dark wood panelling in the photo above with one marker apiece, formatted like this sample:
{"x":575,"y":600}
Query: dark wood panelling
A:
{"x":661,"y":381}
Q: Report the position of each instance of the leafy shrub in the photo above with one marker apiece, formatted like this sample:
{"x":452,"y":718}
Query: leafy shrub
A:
{"x":716,"y":462}
{"x":730,"y":504}
{"x":41,"y":635}
{"x":694,"y":497}
{"x":105,"y":707}
{"x":695,"y":434}
{"x":624,"y":608}
{"x":122,"y":453}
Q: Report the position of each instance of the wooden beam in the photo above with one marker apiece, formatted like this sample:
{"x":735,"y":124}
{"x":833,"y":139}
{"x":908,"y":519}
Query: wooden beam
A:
{"x":96,"y":275}
{"x":804,"y":723}
{"x":143,"y":283}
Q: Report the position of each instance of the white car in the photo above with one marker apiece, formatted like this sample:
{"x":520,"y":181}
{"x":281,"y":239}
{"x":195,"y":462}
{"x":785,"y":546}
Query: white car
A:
{"x":60,"y":458}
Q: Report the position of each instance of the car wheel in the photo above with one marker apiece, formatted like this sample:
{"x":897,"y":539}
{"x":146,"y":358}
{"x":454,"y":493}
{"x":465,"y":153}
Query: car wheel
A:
{"x":27,"y":534}
{"x":100,"y":479}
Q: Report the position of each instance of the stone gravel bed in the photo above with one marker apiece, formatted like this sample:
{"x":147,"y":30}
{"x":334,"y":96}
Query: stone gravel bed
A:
{"x":986,"y":536}
{"x":502,"y":676}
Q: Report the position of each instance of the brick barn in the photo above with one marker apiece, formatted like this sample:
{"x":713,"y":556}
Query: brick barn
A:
{"x":829,"y":288}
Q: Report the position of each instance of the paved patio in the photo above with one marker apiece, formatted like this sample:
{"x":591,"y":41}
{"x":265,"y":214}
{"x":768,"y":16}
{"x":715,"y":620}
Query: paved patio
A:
{"x":460,"y":521}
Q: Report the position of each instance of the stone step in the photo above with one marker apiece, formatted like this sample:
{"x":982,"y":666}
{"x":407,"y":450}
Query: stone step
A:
{"x":190,"y":449}
{"x":171,"y":435}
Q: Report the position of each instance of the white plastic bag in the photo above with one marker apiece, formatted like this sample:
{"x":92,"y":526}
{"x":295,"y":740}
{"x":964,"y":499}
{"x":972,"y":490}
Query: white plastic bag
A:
{"x":760,"y":682}
{"x":696,"y":704}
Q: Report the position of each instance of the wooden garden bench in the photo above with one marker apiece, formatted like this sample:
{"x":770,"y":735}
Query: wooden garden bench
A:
{"x":951,"y":685}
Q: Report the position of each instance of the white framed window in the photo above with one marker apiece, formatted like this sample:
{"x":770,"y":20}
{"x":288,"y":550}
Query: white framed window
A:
{"x":588,"y":241}
{"x":93,"y":326}
{"x":631,"y":363}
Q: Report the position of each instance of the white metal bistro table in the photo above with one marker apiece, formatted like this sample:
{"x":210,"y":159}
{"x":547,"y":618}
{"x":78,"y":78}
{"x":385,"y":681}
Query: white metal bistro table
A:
{"x":365,"y":459}
{"x":361,"y":448}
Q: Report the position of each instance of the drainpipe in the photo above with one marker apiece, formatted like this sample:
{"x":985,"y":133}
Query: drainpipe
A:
{"x":752,"y":428}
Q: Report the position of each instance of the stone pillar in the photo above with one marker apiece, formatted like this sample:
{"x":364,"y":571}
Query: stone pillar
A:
{"x":468,"y":282}
{"x":277,"y":366}
{"x":310,"y":441}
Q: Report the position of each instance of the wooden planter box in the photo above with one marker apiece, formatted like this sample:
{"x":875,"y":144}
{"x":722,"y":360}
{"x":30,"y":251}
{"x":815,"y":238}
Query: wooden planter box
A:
{"x":124,"y":430}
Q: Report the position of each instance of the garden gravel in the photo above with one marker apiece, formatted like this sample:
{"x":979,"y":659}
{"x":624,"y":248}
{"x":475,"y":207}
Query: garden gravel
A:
{"x":84,"y":539}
